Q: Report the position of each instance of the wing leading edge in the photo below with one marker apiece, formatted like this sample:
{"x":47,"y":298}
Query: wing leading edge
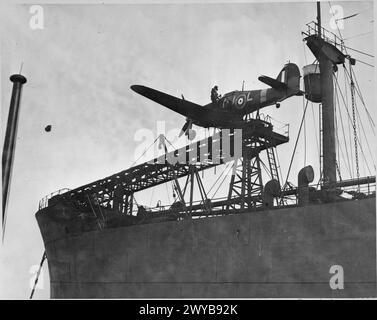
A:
{"x":183,"y":107}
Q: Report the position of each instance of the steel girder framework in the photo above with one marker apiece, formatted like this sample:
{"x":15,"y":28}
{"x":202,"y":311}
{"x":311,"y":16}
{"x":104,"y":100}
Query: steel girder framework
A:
{"x":117,"y":191}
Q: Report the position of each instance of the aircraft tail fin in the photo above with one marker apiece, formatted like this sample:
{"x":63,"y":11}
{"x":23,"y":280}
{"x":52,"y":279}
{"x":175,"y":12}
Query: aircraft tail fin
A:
{"x":290,"y":76}
{"x":288,"y":79}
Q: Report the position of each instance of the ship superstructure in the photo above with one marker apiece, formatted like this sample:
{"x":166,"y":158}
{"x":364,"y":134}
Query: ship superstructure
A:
{"x":265,"y":238}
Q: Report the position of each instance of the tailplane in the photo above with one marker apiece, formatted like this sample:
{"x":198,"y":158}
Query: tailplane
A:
{"x":288,"y":79}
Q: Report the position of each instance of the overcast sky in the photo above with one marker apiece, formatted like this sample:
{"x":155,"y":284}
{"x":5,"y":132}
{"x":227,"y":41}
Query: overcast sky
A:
{"x":80,"y":67}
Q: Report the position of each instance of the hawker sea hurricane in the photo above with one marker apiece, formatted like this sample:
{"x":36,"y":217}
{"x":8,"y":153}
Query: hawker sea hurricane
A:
{"x":230,"y":109}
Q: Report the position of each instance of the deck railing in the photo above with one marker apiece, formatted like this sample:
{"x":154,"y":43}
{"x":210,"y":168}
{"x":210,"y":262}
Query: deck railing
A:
{"x":43,"y":203}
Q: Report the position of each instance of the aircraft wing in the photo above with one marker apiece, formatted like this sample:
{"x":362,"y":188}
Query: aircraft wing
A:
{"x":273,"y":83}
{"x":181,"y":106}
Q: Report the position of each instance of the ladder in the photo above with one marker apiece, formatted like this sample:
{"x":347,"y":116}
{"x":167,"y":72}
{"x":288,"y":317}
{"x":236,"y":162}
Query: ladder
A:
{"x":274,"y":168}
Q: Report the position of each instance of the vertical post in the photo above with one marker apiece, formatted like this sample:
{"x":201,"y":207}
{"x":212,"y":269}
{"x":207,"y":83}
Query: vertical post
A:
{"x":328,"y":112}
{"x":191,"y":188}
{"x":319,"y":19}
{"x":10,"y":139}
{"x":328,"y":120}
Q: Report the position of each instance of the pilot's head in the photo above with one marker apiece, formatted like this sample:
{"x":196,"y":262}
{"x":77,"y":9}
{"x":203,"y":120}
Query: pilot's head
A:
{"x":215,"y":87}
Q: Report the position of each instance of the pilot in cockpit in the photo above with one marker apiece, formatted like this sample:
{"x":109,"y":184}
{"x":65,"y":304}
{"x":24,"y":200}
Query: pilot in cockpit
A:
{"x":215,"y":94}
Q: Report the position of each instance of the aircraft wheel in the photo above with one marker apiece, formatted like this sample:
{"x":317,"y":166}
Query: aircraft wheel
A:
{"x":277,"y":105}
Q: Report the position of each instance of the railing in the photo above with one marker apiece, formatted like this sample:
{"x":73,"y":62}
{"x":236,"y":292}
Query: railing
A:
{"x":331,"y":37}
{"x":353,"y":189}
{"x":44,"y":201}
{"x":279,"y":127}
{"x":160,"y":207}
{"x":360,"y":188}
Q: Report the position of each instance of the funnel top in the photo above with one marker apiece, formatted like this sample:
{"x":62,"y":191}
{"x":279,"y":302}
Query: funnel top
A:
{"x":17,"y":78}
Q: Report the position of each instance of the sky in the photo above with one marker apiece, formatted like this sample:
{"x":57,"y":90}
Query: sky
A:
{"x":81,"y":65}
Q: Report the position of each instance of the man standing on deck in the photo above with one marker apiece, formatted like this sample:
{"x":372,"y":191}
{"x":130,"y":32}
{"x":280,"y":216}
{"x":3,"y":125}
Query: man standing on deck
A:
{"x":215,"y":95}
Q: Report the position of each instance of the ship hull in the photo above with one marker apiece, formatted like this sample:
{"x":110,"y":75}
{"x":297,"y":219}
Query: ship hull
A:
{"x":279,"y":253}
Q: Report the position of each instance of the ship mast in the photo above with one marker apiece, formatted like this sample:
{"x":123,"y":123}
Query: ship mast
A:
{"x":319,"y":18}
{"x":328,"y":111}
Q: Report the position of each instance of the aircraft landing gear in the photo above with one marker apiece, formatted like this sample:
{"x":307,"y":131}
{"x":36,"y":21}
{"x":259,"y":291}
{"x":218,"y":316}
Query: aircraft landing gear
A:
{"x":277,"y":105}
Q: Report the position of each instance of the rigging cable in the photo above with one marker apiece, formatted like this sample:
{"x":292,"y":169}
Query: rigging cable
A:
{"x":312,"y":105}
{"x":144,"y":152}
{"x":346,"y":86}
{"x":352,"y":93}
{"x":315,"y":131}
{"x":344,"y":138}
{"x":365,"y":136}
{"x":336,"y":20}
{"x":279,"y":166}
{"x":265,"y":168}
{"x":303,"y":101}
{"x":172,"y":182}
{"x":230,"y":167}
{"x":294,"y":149}
{"x":359,"y":51}
{"x":218,"y":178}
{"x":354,"y":123}
{"x":350,"y":16}
{"x":350,"y":119}
{"x":368,"y":64}
{"x":352,"y":90}
{"x":341,"y":37}
{"x":358,"y":91}
{"x":337,"y":161}
{"x":358,"y":35}
{"x":362,"y":127}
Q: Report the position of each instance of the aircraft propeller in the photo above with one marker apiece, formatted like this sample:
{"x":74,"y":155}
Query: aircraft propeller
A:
{"x":187,"y":130}
{"x":187,"y":126}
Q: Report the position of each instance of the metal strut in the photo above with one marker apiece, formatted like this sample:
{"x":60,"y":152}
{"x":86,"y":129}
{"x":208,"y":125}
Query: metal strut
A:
{"x":116,"y":191}
{"x":246,"y":184}
{"x":95,"y":214}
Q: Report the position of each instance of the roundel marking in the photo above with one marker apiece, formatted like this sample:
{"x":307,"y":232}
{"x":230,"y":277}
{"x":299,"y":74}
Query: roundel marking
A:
{"x":240,"y":101}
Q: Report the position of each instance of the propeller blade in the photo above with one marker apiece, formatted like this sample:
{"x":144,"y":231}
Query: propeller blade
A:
{"x":186,"y":127}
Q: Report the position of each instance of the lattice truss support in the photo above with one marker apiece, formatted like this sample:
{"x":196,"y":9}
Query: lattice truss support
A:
{"x":116,"y":192}
{"x":246,"y":185}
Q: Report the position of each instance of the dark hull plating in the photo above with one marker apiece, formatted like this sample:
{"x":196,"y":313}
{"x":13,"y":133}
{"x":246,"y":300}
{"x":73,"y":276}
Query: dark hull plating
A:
{"x":284,"y":252}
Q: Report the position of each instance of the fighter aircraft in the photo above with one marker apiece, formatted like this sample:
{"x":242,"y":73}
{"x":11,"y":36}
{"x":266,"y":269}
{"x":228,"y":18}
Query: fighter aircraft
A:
{"x":230,"y":109}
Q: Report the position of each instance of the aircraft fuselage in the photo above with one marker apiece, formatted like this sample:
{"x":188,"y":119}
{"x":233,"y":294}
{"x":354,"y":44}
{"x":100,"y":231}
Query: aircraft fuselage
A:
{"x":234,"y":105}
